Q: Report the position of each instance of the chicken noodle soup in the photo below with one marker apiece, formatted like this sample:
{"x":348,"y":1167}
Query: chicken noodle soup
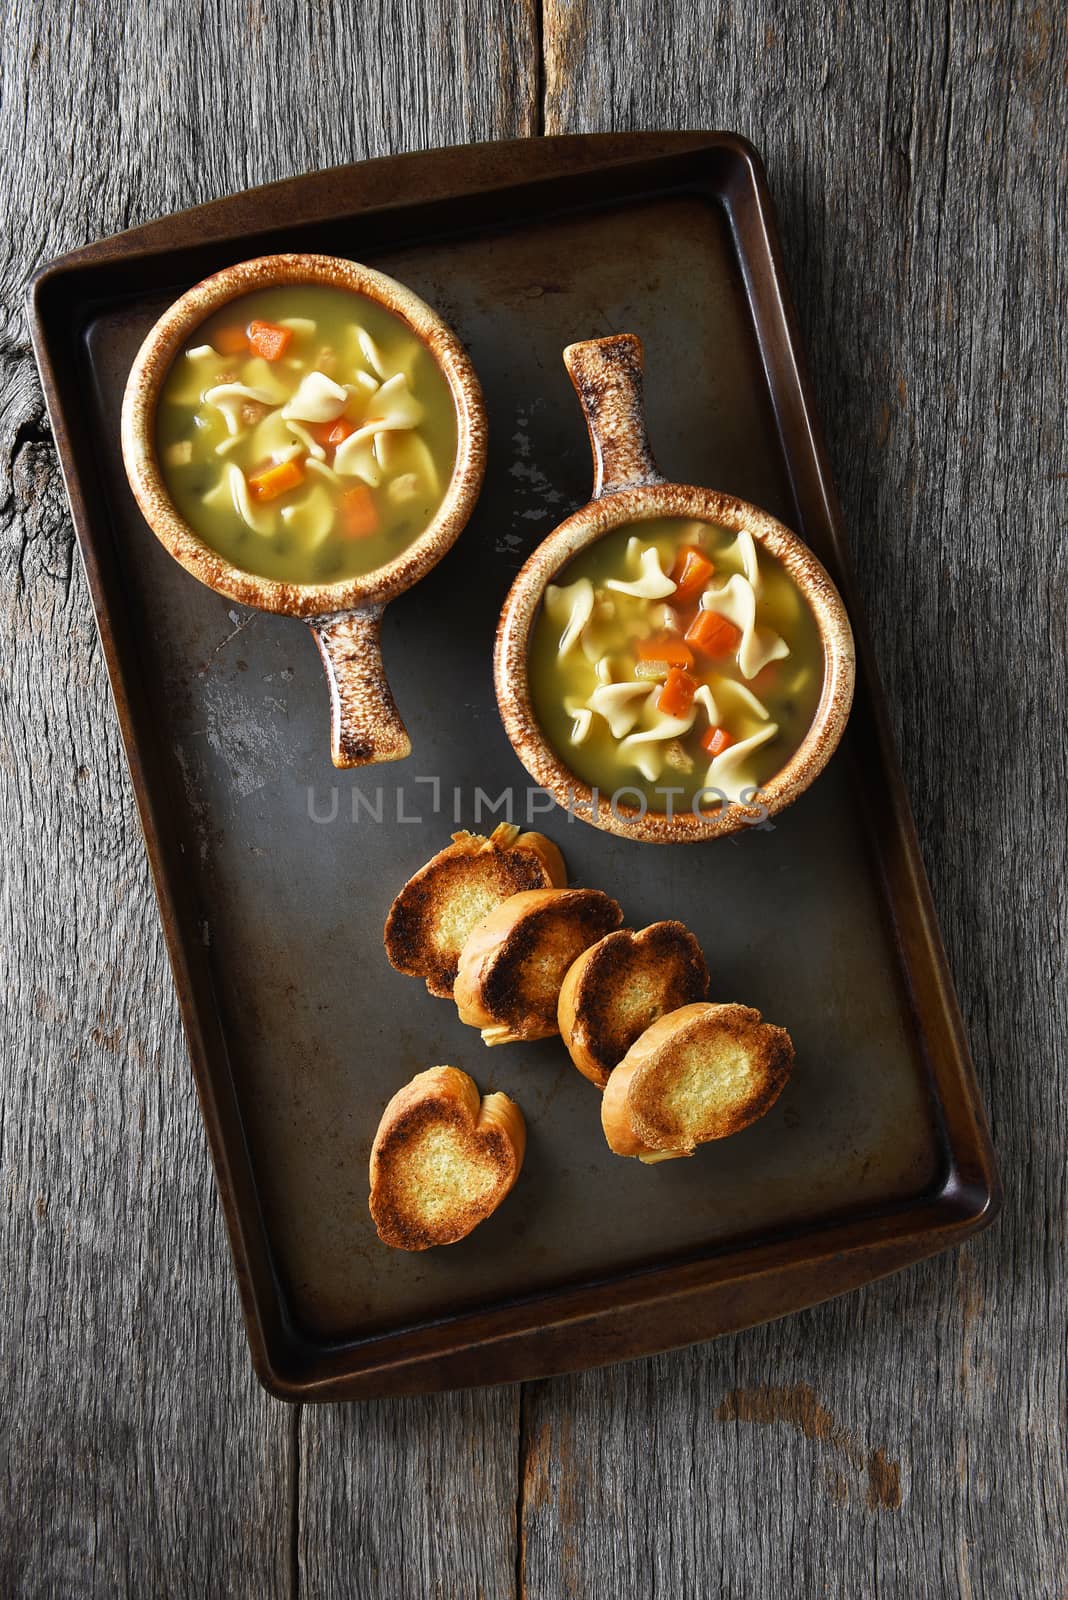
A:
{"x":675,"y":655}
{"x":306,"y":433}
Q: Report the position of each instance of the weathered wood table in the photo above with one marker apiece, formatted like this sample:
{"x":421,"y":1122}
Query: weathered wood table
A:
{"x":907,"y":1441}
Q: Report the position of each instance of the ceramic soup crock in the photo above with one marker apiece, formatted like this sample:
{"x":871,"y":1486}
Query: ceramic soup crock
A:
{"x":345,"y":616}
{"x":628,"y":488}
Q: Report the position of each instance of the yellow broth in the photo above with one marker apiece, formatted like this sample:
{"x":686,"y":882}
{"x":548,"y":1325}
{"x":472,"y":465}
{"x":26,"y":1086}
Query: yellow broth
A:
{"x":231,"y":421}
{"x":599,"y":668}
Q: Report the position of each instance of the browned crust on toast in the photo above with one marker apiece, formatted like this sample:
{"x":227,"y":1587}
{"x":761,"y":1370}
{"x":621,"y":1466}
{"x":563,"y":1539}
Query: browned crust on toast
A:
{"x":499,"y":866}
{"x":637,"y":1113}
{"x":513,"y":965}
{"x":621,"y":985}
{"x":489,"y":1132}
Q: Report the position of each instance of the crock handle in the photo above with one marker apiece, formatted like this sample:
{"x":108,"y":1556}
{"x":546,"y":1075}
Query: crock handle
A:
{"x":365,"y":725}
{"x":607,"y":374}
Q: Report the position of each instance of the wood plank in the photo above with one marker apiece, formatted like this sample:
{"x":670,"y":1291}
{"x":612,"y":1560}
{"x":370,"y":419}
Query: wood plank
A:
{"x":411,"y":1498}
{"x":139,"y":1456}
{"x":890,"y":1444}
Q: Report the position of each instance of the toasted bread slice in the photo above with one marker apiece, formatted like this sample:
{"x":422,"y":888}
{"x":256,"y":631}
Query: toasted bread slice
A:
{"x":438,"y":908}
{"x":622,"y":984}
{"x":442,"y":1160}
{"x":700,"y":1073}
{"x":513,"y":965}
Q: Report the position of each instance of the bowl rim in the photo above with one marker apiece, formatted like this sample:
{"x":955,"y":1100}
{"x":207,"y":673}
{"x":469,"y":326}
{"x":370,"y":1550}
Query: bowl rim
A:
{"x":644,"y":503}
{"x":147,"y":481}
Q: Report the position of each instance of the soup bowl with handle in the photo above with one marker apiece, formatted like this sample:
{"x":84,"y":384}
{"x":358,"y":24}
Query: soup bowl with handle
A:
{"x":629,"y":488}
{"x":344,"y":616}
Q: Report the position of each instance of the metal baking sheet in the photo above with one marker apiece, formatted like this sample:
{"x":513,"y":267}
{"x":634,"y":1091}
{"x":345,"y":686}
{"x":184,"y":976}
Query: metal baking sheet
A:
{"x":275,"y":872}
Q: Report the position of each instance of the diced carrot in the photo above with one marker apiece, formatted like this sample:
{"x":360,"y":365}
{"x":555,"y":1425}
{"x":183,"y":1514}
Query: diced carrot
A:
{"x":665,"y":647}
{"x":716,"y":740}
{"x":331,"y":433}
{"x":230,"y":341}
{"x":340,"y":429}
{"x":712,"y":634}
{"x":273,"y":481}
{"x":359,"y":514}
{"x":690,"y":573}
{"x":765,"y":679}
{"x":268,"y":340}
{"x":676,"y":697}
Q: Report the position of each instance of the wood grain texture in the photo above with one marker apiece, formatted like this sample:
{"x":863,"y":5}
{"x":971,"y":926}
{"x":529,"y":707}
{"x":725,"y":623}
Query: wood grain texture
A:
{"x":411,"y":1499}
{"x":897,"y":1443}
{"x":138,"y":1455}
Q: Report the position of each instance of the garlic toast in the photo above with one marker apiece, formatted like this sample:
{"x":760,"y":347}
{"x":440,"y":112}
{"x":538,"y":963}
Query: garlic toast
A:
{"x":514,"y":963}
{"x":433,"y":915}
{"x":442,"y":1160}
{"x":700,"y":1073}
{"x":620,"y":986}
